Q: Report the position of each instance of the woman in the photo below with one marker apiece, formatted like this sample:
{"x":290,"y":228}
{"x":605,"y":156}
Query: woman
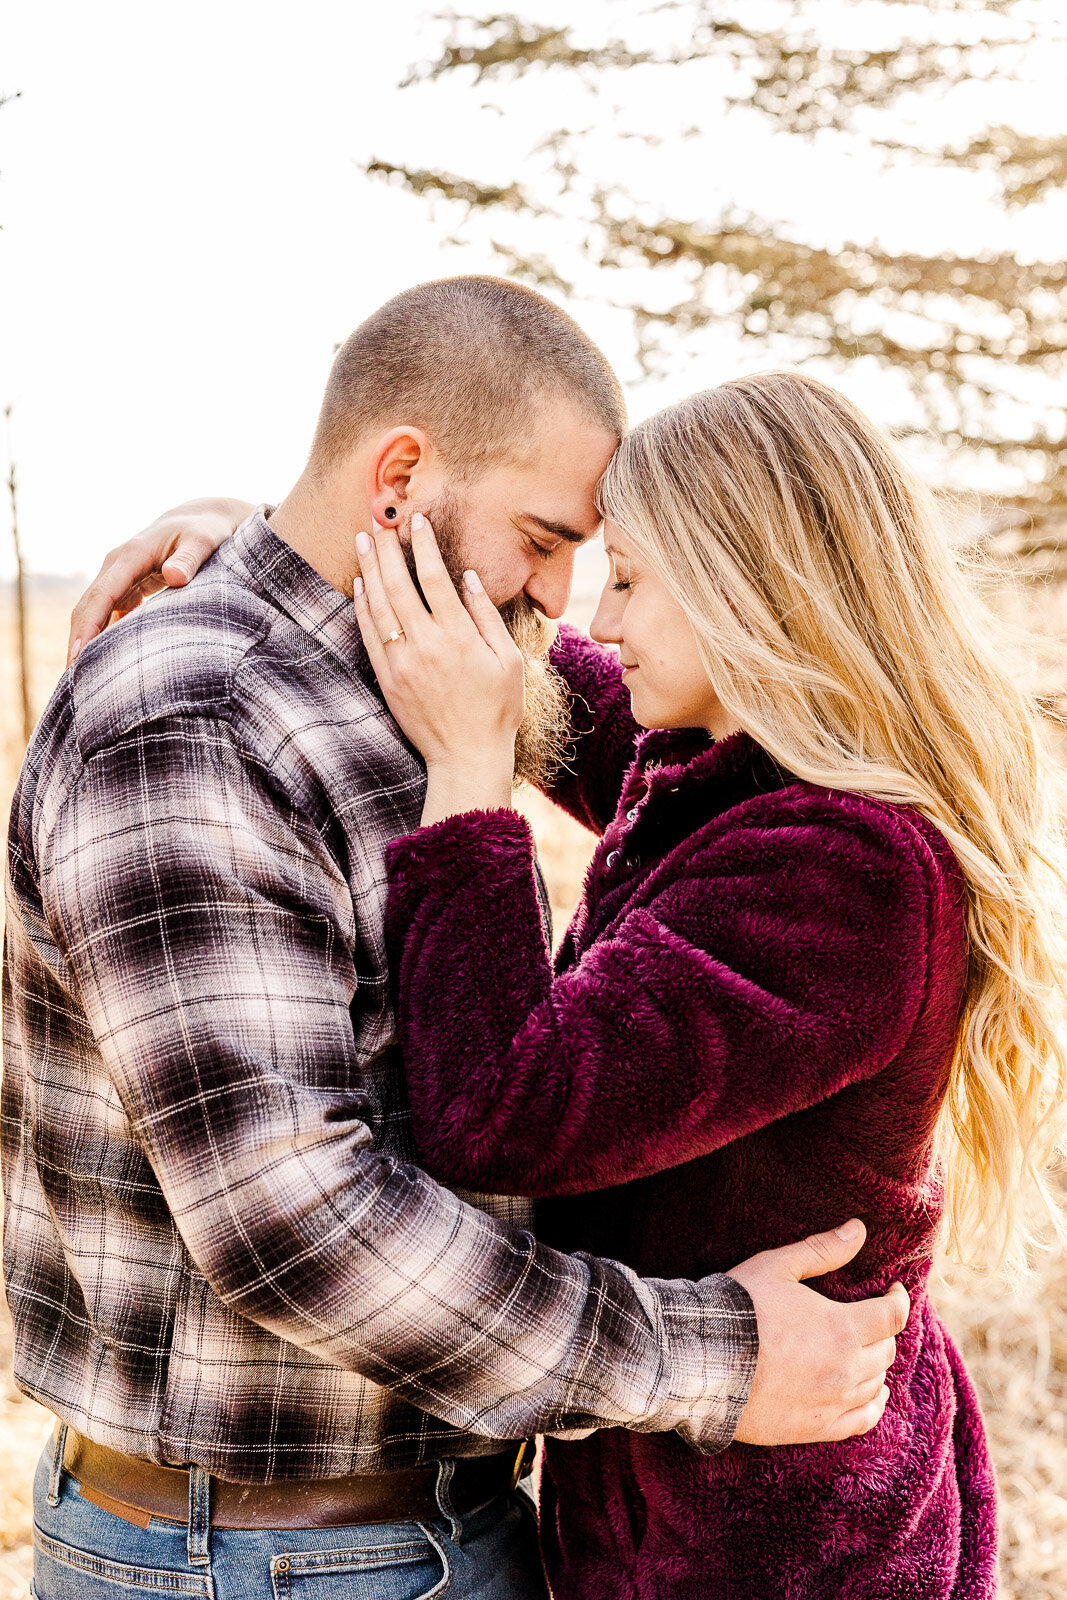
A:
{"x":802,"y":940}
{"x":817,"y":943}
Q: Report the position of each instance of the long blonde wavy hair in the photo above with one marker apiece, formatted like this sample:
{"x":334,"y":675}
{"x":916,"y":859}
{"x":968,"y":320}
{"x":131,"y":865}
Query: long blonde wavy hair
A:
{"x":840,"y":630}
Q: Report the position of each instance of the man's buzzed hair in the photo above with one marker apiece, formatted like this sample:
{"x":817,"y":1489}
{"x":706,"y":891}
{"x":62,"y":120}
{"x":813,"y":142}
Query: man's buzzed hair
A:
{"x":466,"y":359}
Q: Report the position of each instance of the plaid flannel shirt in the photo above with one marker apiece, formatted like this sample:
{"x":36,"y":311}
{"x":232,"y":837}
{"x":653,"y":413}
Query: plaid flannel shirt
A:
{"x":218,"y":1248}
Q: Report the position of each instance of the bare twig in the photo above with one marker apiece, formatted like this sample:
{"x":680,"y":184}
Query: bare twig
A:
{"x":20,"y":588}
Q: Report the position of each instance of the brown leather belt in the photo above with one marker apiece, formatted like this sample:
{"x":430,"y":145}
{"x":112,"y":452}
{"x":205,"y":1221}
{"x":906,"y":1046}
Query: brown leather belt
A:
{"x":138,"y":1490}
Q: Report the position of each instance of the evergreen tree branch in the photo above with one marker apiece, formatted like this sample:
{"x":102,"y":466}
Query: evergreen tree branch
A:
{"x":800,"y":82}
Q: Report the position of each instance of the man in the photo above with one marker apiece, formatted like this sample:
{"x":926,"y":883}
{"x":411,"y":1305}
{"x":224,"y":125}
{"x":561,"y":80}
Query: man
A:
{"x":277,"y":1349}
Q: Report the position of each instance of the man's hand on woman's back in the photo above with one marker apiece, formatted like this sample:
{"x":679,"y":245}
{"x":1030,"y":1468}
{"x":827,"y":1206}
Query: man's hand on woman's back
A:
{"x":822,"y":1363}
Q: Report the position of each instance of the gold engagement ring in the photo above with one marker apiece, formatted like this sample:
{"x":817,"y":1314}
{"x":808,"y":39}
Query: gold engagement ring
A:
{"x":393,"y":637}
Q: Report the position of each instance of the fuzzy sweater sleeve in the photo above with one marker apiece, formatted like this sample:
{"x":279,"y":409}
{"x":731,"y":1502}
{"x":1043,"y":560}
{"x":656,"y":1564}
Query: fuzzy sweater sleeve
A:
{"x":604,"y":732}
{"x":777,"y":963}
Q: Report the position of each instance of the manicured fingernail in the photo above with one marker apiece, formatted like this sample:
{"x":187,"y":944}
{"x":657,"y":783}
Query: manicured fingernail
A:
{"x":473,"y":582}
{"x":418,"y":521}
{"x":849,"y":1230}
{"x":357,"y":588}
{"x":363,"y":543}
{"x":76,"y":650}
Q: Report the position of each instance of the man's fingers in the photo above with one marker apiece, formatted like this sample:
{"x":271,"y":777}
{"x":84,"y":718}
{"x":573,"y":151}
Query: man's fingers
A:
{"x":877,"y":1360}
{"x":821,"y":1252}
{"x":860,"y":1420}
{"x":883,"y":1318}
{"x":899,"y":1308}
{"x":864,"y":1393}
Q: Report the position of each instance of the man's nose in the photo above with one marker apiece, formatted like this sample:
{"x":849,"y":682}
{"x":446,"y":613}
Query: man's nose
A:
{"x":550,"y":592}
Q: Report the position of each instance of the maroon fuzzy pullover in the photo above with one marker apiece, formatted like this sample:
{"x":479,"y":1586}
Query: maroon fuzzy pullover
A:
{"x":747,"y":1037}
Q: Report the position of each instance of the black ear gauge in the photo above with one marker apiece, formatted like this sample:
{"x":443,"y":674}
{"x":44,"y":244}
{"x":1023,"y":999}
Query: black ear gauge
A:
{"x":390,"y":512}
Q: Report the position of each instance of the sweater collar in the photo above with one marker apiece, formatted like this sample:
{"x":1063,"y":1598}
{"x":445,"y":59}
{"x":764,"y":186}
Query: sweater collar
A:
{"x":669,"y":758}
{"x":680,"y":781}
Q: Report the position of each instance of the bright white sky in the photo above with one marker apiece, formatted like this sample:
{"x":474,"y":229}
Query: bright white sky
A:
{"x":187,"y":236}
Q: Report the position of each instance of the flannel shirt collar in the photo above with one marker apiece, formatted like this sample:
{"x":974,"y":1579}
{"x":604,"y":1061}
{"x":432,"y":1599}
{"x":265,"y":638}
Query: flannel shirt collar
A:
{"x":274,"y":568}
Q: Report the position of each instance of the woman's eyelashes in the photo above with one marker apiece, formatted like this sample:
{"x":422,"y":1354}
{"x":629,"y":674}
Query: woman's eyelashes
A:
{"x":621,"y":576}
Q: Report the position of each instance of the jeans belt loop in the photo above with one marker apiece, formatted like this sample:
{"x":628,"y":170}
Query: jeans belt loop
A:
{"x":445,"y":1472}
{"x":55,"y":1471}
{"x":199,"y":1517}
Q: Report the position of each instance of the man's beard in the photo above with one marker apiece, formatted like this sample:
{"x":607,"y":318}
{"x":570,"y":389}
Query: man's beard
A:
{"x":544,"y":735}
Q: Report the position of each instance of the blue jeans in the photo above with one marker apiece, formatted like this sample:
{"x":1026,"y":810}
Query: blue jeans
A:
{"x":82,"y":1552}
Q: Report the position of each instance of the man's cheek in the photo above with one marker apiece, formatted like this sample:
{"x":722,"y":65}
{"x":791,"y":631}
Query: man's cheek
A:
{"x":503,"y":593}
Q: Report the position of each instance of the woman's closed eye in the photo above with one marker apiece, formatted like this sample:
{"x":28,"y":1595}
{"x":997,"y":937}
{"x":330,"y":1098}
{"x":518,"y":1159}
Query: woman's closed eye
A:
{"x":622,"y":577}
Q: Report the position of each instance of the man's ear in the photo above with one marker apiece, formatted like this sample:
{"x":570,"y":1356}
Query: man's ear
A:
{"x":398,"y":461}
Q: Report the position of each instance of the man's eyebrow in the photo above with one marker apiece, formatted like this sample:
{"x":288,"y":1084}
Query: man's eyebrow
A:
{"x":562,"y":530}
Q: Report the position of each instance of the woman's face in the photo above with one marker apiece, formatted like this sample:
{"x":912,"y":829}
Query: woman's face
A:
{"x":669,"y":686}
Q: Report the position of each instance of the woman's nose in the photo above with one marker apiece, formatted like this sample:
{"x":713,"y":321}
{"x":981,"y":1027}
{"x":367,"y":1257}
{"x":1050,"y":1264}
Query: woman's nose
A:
{"x":605,"y":626}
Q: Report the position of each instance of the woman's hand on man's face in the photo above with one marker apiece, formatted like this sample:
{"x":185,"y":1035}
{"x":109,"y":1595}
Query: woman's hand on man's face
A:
{"x":166,"y":554}
{"x":450,"y":671}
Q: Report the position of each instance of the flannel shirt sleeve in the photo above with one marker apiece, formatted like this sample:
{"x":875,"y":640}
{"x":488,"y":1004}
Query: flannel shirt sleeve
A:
{"x":212,"y":938}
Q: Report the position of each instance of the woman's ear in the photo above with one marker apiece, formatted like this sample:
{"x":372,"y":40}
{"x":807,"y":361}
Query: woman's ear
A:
{"x":397,"y":461}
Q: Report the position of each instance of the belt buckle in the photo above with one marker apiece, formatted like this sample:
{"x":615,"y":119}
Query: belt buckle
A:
{"x":524,"y":1461}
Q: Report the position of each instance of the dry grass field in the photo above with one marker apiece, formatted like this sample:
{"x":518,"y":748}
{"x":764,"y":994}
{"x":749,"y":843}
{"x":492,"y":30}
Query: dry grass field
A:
{"x":1015,"y":1343}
